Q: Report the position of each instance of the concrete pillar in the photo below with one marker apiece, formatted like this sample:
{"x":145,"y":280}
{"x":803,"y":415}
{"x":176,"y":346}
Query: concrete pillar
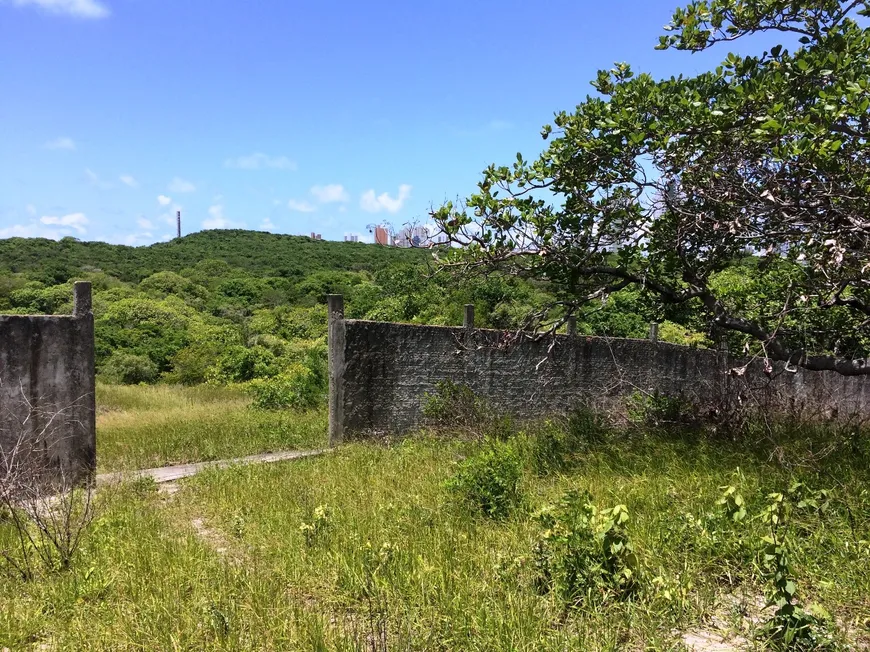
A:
{"x":83,"y":313}
{"x":82,"y":303}
{"x":468,"y":321}
{"x":571,"y":325}
{"x":335,"y":353}
{"x":653,"y":332}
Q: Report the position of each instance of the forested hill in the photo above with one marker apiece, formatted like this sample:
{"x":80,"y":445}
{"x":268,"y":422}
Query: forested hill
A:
{"x":256,"y":252}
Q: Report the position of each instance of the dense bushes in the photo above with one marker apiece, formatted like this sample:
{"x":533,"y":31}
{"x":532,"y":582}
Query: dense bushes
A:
{"x":236,"y":306}
{"x":295,"y":387}
{"x":129,"y":369}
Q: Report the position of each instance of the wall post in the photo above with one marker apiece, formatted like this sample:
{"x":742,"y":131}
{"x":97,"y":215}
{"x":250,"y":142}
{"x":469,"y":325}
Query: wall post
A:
{"x":653,"y":331}
{"x":572,"y":325}
{"x":83,"y":311}
{"x":336,"y":342}
{"x":82,"y":302}
{"x":468,"y":321}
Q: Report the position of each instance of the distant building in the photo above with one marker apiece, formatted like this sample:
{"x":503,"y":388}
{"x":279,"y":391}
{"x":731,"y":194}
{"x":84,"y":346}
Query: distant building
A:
{"x":351,"y":238}
{"x":316,"y":236}
{"x":382,"y":236}
{"x":413,"y":236}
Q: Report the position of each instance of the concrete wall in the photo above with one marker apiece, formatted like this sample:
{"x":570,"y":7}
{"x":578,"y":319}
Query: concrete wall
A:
{"x":384,"y":370}
{"x":47,"y":402}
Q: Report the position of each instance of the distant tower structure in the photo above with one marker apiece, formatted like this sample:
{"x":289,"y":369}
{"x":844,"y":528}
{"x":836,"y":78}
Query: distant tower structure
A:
{"x":178,"y":222}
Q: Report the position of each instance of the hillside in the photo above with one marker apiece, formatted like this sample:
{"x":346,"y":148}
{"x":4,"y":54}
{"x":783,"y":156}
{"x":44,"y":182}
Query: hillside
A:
{"x":256,"y":252}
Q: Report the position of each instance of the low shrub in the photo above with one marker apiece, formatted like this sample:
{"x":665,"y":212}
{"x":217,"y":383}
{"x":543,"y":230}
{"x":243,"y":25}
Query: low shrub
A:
{"x":554,"y":445}
{"x":583,"y":553}
{"x":295,"y":387}
{"x":129,"y":369}
{"x":661,"y":411}
{"x":489,"y":482}
{"x":453,"y":405}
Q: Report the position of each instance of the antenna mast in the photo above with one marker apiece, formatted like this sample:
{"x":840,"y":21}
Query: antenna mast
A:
{"x":178,"y":222}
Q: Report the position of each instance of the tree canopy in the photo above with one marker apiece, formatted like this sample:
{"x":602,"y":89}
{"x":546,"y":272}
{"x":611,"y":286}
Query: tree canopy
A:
{"x":669,"y":185}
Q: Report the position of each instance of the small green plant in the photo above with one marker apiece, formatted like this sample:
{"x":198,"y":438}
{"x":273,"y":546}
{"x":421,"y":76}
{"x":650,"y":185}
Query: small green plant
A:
{"x":454,"y":405}
{"x":732,"y":504}
{"x":791,"y":627}
{"x":583,"y":553}
{"x":314,"y":530}
{"x":661,"y":411}
{"x":490,"y":481}
{"x":554,"y":446}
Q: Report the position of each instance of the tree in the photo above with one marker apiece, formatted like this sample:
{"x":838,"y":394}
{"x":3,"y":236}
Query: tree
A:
{"x":667,"y":185}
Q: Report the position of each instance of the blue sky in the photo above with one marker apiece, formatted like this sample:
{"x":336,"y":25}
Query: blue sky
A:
{"x":287,"y":116}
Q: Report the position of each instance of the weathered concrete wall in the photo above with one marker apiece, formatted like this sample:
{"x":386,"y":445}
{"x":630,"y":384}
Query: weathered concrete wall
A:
{"x":388,"y":368}
{"x":47,"y":402}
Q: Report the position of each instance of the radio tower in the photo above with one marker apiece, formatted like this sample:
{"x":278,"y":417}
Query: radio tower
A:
{"x":178,"y":222}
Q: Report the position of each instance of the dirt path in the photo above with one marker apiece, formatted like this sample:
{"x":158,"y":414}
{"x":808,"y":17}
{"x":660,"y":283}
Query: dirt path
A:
{"x":170,"y":473}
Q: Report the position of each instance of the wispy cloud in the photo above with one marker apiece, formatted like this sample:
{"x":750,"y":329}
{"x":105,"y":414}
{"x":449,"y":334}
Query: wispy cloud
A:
{"x":267,"y":225}
{"x":217,"y":219}
{"x":129,"y":181}
{"x":78,"y":8}
{"x":163,"y":200}
{"x":144,"y":223}
{"x":63,"y":142}
{"x":76,"y":221}
{"x":372,"y":203}
{"x":301,"y":206}
{"x":31,"y":209}
{"x":331,"y":193}
{"x":260,"y":161}
{"x":95,"y":180}
{"x":181,"y":185}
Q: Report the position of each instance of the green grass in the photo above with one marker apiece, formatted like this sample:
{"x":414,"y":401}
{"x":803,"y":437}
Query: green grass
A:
{"x":400,"y":562}
{"x":147,"y":426}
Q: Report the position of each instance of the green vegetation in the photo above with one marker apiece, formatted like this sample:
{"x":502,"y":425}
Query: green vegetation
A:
{"x":143,"y":427}
{"x":662,"y":187}
{"x":631,"y":537}
{"x":228,"y":308}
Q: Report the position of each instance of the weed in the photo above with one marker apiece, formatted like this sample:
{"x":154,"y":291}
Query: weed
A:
{"x":317,"y":526}
{"x":583,"y":553}
{"x":453,"y":405}
{"x":791,"y":627}
{"x":490,"y":480}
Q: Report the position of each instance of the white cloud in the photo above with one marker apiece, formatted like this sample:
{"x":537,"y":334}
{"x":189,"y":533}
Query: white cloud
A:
{"x":76,"y":221}
{"x":301,"y":206}
{"x":61,"y":143}
{"x":260,"y":161}
{"x":267,"y":225}
{"x":79,"y":8}
{"x":128,"y":180}
{"x":95,"y":179}
{"x":31,"y":209}
{"x":383,"y":202}
{"x":163,"y":200}
{"x":333,"y":192}
{"x":144,"y":223}
{"x":218,"y":220}
{"x":135,"y":239}
{"x":31,"y":230}
{"x":181,"y":185}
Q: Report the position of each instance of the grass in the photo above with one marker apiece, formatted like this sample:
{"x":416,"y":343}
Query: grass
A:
{"x":368,"y":548}
{"x":142,"y":427}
